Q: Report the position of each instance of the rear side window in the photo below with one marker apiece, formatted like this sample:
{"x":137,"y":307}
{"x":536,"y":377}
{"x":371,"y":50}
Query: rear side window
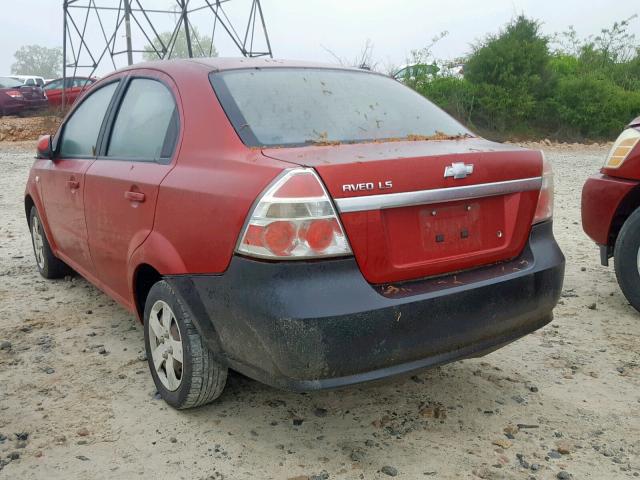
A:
{"x":55,"y":85}
{"x":146,"y":125}
{"x":80,"y":135}
{"x":303,"y":106}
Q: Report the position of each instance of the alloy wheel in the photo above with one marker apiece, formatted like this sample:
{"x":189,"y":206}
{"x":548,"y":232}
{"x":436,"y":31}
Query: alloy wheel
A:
{"x":165,"y":341}
{"x":38,"y":243}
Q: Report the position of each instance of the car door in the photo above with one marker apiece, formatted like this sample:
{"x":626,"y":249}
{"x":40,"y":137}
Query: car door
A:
{"x":123,"y":183}
{"x":54,"y":92}
{"x":63,"y":178}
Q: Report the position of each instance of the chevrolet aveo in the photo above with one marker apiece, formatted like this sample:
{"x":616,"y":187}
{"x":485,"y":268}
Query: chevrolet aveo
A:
{"x":305,"y":225}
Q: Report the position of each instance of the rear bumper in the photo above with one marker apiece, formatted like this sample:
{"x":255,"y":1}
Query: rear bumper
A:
{"x":601,"y":197}
{"x":17,"y":106}
{"x":313,"y":325}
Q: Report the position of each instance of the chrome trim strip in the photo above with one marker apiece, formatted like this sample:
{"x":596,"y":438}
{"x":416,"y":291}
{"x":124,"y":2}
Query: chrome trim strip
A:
{"x":438,"y":195}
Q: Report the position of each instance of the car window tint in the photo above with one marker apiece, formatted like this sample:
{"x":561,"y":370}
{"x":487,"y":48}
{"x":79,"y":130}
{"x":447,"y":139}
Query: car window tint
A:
{"x":39,"y":81}
{"x":80,"y":133}
{"x":56,"y":85}
{"x":9,"y":82}
{"x":30,"y":81}
{"x":142,"y":122}
{"x":298,"y":106}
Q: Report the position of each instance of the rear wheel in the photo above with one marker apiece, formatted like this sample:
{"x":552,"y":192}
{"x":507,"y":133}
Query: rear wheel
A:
{"x":183,"y":368}
{"x":627,"y":259}
{"x":48,"y":264}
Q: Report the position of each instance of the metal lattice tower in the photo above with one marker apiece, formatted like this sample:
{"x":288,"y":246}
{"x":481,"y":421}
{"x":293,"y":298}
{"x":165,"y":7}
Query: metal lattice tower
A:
{"x":93,"y":30}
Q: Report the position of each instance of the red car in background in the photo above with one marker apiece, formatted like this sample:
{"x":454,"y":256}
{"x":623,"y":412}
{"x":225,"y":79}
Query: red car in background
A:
{"x":611,"y":211}
{"x":307,"y":225}
{"x":74,"y":88}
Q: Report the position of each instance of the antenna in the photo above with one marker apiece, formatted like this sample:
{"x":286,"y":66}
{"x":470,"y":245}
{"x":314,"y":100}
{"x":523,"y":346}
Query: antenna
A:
{"x":92,"y":33}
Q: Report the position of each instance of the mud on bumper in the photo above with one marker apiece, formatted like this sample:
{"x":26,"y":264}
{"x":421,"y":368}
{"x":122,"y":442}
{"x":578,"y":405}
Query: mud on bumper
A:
{"x":313,"y":325}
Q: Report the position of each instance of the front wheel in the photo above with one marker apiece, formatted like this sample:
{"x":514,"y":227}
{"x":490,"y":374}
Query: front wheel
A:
{"x":183,"y":368}
{"x":48,"y":264}
{"x":627,"y":259}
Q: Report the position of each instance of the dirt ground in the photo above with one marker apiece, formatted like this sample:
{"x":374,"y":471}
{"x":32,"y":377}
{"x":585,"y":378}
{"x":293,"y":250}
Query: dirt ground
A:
{"x":14,"y":128}
{"x":77,"y":400}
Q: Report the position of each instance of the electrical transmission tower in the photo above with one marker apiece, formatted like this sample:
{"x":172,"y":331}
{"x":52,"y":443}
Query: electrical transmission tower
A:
{"x":93,"y":32}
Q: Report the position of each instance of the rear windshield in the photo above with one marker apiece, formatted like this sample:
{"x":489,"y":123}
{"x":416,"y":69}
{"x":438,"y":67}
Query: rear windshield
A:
{"x":305,"y":106}
{"x":6,"y":82}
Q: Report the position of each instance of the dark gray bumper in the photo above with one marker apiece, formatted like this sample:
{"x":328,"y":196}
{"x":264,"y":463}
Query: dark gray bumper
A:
{"x":313,"y":325}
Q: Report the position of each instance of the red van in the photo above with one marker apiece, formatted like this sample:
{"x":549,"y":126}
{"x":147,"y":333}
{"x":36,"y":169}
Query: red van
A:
{"x":307,"y":225}
{"x":610,"y":213}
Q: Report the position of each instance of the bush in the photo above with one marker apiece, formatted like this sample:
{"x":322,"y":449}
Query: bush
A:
{"x":591,"y":107}
{"x":514,"y":85}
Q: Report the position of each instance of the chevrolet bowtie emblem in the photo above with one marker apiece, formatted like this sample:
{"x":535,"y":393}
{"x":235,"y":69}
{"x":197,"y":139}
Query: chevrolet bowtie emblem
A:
{"x":458,"y":170}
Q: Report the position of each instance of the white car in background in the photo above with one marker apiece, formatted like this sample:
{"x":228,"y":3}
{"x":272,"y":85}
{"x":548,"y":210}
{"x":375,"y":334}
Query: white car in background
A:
{"x":430,"y":71}
{"x":30,"y":80}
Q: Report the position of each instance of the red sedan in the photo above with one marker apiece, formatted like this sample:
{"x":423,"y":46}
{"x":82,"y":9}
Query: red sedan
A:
{"x":74,"y":87}
{"x":611,"y":213}
{"x":306,"y":225}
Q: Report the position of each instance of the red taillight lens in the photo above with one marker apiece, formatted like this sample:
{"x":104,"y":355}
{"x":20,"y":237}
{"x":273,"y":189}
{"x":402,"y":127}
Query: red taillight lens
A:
{"x":14,"y":93}
{"x":294,"y":219}
{"x":279,"y":237}
{"x":544,"y":210}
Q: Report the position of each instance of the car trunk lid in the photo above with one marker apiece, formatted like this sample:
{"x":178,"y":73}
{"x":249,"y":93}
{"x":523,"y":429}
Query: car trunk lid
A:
{"x":405,"y":219}
{"x":31,"y":93}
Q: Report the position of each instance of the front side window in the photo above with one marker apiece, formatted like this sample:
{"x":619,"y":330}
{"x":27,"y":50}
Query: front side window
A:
{"x":80,"y":134}
{"x":306,"y":106}
{"x":146,"y":119}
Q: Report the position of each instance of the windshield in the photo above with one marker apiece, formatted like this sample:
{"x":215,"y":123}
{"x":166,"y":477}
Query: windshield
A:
{"x":304,"y":106}
{"x":6,"y":82}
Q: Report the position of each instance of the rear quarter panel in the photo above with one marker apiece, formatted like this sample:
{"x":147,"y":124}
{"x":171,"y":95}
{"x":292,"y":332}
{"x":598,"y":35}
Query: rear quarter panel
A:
{"x":204,"y":201}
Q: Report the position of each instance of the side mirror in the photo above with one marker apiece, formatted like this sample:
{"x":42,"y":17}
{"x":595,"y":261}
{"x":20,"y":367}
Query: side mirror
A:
{"x":44,"y":147}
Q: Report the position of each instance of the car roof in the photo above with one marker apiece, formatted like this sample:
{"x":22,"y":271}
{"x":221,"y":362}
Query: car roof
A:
{"x":217,"y":64}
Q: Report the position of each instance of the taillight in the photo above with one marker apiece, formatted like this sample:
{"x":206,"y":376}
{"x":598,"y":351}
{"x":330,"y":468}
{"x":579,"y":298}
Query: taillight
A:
{"x":294,"y":219}
{"x":544,"y":210}
{"x":622,"y":147}
{"x":14,"y":93}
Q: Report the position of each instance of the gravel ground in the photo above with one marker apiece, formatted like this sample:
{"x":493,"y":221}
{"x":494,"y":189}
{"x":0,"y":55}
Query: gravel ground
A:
{"x":77,"y":401}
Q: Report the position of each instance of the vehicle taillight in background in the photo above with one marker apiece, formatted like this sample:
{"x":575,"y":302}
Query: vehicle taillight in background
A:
{"x":14,"y":93}
{"x":544,"y":210}
{"x":622,"y":147}
{"x":294,"y":219}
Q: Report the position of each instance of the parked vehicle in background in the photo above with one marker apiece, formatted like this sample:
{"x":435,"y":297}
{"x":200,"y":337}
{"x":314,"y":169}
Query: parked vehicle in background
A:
{"x":307,"y":225}
{"x":611,"y":211}
{"x":30,"y":80}
{"x":74,"y":88}
{"x":16,"y":98}
{"x":411,"y":72}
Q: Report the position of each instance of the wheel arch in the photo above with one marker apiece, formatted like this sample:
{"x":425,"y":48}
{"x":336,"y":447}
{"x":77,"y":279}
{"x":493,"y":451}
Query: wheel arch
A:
{"x":28,"y":205}
{"x":149,"y":263}
{"x":626,"y":207}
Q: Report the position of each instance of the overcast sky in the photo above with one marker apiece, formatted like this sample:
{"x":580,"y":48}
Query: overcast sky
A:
{"x":304,"y":29}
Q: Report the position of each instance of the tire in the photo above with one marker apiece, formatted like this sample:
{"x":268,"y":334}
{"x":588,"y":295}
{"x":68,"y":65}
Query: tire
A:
{"x":627,"y":259}
{"x":48,"y":264}
{"x":168,"y":327}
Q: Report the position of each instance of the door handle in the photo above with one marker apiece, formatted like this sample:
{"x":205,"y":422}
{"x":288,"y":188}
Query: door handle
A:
{"x":73,"y":184}
{"x":134,"y":196}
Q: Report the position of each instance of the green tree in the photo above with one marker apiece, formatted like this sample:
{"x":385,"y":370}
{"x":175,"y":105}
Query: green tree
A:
{"x":516,"y":59}
{"x":38,"y":60}
{"x":201,"y":45}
